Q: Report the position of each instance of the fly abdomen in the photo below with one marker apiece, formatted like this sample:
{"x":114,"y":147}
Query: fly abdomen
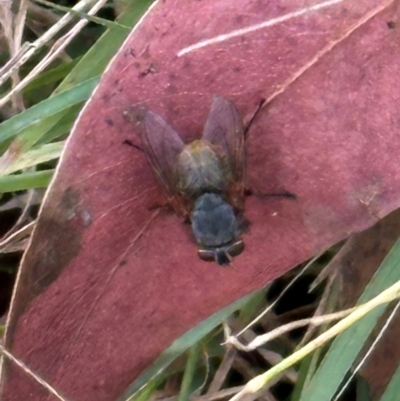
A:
{"x":213,"y":221}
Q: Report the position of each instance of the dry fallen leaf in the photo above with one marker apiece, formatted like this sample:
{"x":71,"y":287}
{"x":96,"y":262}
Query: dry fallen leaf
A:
{"x":108,"y":282}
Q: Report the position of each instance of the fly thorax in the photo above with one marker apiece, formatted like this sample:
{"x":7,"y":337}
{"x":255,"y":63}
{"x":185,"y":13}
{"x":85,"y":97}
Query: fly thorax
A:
{"x":200,"y":169}
{"x":213,"y":221}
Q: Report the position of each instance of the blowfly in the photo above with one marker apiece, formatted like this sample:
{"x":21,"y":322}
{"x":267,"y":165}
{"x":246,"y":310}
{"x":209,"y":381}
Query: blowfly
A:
{"x":205,"y":178}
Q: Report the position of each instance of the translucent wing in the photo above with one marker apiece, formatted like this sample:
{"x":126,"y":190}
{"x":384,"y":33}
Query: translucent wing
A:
{"x":224,"y":130}
{"x":162,"y":145}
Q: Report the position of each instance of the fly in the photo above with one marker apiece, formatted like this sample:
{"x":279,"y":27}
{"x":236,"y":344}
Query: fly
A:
{"x":205,"y":178}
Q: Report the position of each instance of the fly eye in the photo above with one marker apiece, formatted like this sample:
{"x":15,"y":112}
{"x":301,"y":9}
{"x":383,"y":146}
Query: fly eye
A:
{"x":236,"y":248}
{"x":206,"y":255}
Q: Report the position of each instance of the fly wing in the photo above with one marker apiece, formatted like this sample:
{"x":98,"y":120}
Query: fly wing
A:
{"x":224,"y":130}
{"x":162,"y":146}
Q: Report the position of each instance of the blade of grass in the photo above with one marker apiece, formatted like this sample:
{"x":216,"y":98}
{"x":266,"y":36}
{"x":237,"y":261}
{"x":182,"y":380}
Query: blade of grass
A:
{"x":186,"y":386}
{"x":65,"y":122}
{"x":105,"y":48}
{"x":49,"y":107}
{"x":31,"y":127}
{"x":344,"y":350}
{"x":51,"y":76}
{"x":364,"y":313}
{"x":393,"y":389}
{"x":19,"y":182}
{"x":34,"y":157}
{"x":179,"y":346}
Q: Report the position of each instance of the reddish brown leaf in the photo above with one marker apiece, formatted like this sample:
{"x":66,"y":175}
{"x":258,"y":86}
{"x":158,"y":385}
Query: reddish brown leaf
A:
{"x":108,"y":283}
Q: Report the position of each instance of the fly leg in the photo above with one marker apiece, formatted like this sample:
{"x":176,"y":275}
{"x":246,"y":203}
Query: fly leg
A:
{"x":244,"y":224}
{"x":253,"y":117}
{"x":249,"y":191}
{"x":283,"y":194}
{"x":133,"y":145}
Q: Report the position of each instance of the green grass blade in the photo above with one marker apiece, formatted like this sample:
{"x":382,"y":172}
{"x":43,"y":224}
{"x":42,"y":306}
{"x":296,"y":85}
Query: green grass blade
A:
{"x":191,"y":364}
{"x":345,"y":348}
{"x":41,"y":154}
{"x":51,"y":76}
{"x":105,"y":48}
{"x":19,"y":182}
{"x":47,"y":108}
{"x":33,"y":125}
{"x":60,"y":128}
{"x":392,"y":391}
{"x":181,"y":345}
